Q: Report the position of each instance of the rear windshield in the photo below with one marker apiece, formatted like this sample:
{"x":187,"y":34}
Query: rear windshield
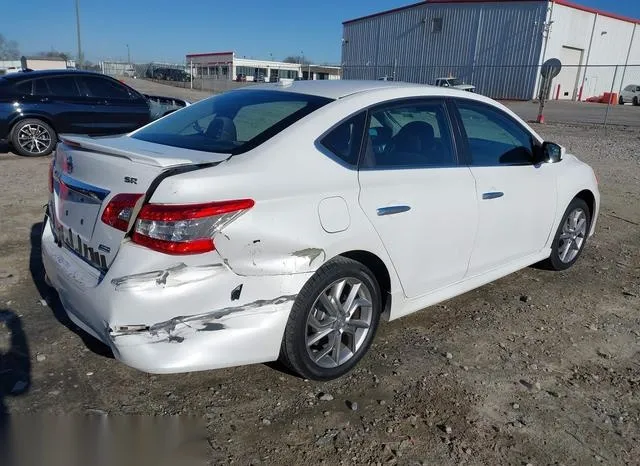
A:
{"x":233,"y":122}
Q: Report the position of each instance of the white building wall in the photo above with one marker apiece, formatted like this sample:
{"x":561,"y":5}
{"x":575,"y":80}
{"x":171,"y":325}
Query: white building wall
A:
{"x":570,"y":36}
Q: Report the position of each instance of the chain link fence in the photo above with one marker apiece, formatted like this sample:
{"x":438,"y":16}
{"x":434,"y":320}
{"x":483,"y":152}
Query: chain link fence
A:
{"x":604,"y":87}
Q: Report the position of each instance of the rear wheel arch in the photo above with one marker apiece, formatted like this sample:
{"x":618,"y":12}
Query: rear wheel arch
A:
{"x":379,"y":270}
{"x":30,"y":117}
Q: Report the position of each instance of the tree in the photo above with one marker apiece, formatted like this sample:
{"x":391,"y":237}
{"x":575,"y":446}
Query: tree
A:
{"x":53,"y":54}
{"x":297,"y":59}
{"x":8,"y":49}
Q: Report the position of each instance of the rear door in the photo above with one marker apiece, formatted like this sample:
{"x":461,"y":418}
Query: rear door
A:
{"x":61,"y":97}
{"x":120,"y":110}
{"x":516,"y":197}
{"x":419,"y":199}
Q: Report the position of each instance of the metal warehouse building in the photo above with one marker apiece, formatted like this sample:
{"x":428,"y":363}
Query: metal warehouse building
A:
{"x":498,"y":46}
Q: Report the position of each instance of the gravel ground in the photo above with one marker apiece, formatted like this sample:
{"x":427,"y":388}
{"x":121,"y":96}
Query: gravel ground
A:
{"x":536,"y":368}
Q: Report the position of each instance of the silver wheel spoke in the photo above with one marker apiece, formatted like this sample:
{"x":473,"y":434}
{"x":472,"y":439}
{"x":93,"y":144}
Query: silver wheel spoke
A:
{"x":351,"y":298}
{"x":337,"y":347}
{"x":356,"y":324}
{"x":336,"y":293}
{"x":565,"y":236}
{"x":329,"y":306}
{"x":565,"y":250}
{"x":333,"y":336}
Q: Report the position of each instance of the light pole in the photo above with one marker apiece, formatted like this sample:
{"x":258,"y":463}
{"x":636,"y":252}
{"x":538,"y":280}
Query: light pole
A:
{"x":79,"y":63}
{"x":302,"y":64}
{"x":128,"y":55}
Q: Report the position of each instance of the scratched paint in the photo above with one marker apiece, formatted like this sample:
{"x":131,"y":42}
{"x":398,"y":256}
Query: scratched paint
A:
{"x":177,"y":275}
{"x":311,"y":254}
{"x":208,"y":321}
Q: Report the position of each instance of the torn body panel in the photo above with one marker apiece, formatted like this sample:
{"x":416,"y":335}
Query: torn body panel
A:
{"x":161,"y":315}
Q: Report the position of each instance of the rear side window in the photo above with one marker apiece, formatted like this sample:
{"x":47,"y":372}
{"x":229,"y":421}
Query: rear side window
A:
{"x":101,"y":87}
{"x":24,"y":88}
{"x":411,"y":135}
{"x":40,"y":87}
{"x":344,"y":140}
{"x":63,"y":86}
{"x":233,"y":122}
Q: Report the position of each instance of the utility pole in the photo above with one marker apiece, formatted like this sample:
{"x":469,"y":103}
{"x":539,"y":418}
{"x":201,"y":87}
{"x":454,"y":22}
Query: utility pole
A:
{"x":128,"y":55}
{"x":79,"y":61}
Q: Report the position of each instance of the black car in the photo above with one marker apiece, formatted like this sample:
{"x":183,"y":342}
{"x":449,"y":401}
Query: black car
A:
{"x":36,"y":106}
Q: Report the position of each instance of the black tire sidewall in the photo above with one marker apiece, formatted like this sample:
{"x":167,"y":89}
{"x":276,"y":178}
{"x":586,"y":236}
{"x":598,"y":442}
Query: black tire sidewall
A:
{"x":554,"y":258}
{"x":294,"y":344}
{"x":16,"y":129}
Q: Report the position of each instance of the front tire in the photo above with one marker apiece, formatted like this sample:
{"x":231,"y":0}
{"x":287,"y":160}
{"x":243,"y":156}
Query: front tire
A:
{"x":333,"y":321}
{"x":635,"y":101}
{"x":571,"y":236}
{"x":33,"y":138}
{"x":621,"y":100}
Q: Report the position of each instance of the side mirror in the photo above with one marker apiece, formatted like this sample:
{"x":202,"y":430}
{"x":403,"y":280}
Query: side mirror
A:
{"x":552,"y":152}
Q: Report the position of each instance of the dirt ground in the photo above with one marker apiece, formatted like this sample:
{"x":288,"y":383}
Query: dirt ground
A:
{"x":537,"y":368}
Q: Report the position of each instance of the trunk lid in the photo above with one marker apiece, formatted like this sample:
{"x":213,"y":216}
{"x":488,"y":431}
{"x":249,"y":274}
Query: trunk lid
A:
{"x":89,"y":172}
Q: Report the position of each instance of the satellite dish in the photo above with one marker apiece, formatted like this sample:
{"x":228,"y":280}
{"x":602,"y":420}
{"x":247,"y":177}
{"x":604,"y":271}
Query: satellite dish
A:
{"x":551,"y":68}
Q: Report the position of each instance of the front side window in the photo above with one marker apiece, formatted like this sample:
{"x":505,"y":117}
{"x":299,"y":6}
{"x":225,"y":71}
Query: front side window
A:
{"x":345,"y":139}
{"x":63,"y":87}
{"x":493,"y":137}
{"x":104,"y":88}
{"x":233,"y":122}
{"x":412,"y":135}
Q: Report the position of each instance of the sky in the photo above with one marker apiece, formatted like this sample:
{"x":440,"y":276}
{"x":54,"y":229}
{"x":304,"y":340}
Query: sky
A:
{"x":166,"y":30}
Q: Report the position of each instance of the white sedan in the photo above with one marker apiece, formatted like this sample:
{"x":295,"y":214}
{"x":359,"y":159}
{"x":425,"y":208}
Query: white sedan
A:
{"x":283,"y":221}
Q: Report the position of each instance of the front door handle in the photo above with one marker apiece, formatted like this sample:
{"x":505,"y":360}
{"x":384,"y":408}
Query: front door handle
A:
{"x":394,"y":209}
{"x":492,"y":195}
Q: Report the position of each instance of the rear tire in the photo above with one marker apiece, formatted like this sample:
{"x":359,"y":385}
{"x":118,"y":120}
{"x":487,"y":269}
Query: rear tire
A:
{"x":571,"y":236}
{"x":333,"y":321}
{"x":33,"y":138}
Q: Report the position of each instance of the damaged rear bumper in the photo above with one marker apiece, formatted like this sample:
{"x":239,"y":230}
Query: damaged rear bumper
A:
{"x":167,"y":314}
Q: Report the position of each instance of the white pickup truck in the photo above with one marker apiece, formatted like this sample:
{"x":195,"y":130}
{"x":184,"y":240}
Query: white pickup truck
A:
{"x":455,"y":83}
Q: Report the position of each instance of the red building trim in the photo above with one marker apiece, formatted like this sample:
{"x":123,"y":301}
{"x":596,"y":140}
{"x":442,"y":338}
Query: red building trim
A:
{"x":559,"y":2}
{"x":596,"y":11}
{"x":211,"y":54}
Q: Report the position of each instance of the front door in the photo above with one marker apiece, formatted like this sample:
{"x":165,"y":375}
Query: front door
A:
{"x":420,"y":201}
{"x":516,"y":198}
{"x":119,"y":110}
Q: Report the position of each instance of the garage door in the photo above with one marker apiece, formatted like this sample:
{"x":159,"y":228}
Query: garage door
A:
{"x":571,"y":58}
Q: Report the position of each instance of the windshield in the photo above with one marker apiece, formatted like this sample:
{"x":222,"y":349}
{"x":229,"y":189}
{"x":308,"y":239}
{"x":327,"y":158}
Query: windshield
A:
{"x":233,"y":122}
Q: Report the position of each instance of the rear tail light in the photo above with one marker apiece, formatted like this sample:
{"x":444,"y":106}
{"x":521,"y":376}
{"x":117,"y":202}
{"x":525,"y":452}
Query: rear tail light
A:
{"x":185,"y":229}
{"x":51,"y":175}
{"x":118,"y":212}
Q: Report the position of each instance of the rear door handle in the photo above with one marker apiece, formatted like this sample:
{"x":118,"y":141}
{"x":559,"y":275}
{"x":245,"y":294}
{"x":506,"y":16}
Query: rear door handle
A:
{"x":390,"y":210}
{"x":492,"y":195}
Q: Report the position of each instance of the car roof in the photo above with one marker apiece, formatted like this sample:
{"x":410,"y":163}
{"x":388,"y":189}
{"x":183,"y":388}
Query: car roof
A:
{"x":333,"y":89}
{"x":46,"y":73}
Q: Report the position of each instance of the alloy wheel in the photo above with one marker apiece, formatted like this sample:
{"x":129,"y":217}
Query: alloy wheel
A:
{"x":574,"y":232}
{"x":34,"y":138}
{"x":339,"y":322}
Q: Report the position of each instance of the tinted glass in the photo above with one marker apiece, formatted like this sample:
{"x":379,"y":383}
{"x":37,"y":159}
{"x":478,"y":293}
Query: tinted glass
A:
{"x":415,"y":135}
{"x":345,"y":139}
{"x":102,"y":87}
{"x":24,"y":88}
{"x":233,"y":122}
{"x":40,"y":87}
{"x":63,"y":87}
{"x":494,"y":138}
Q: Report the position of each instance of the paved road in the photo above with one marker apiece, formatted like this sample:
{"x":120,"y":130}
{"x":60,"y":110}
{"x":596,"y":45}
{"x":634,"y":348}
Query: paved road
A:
{"x":578,"y":112}
{"x":555,"y":111}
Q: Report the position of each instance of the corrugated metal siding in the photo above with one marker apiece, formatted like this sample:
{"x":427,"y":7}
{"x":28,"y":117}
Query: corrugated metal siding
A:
{"x":495,"y":46}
